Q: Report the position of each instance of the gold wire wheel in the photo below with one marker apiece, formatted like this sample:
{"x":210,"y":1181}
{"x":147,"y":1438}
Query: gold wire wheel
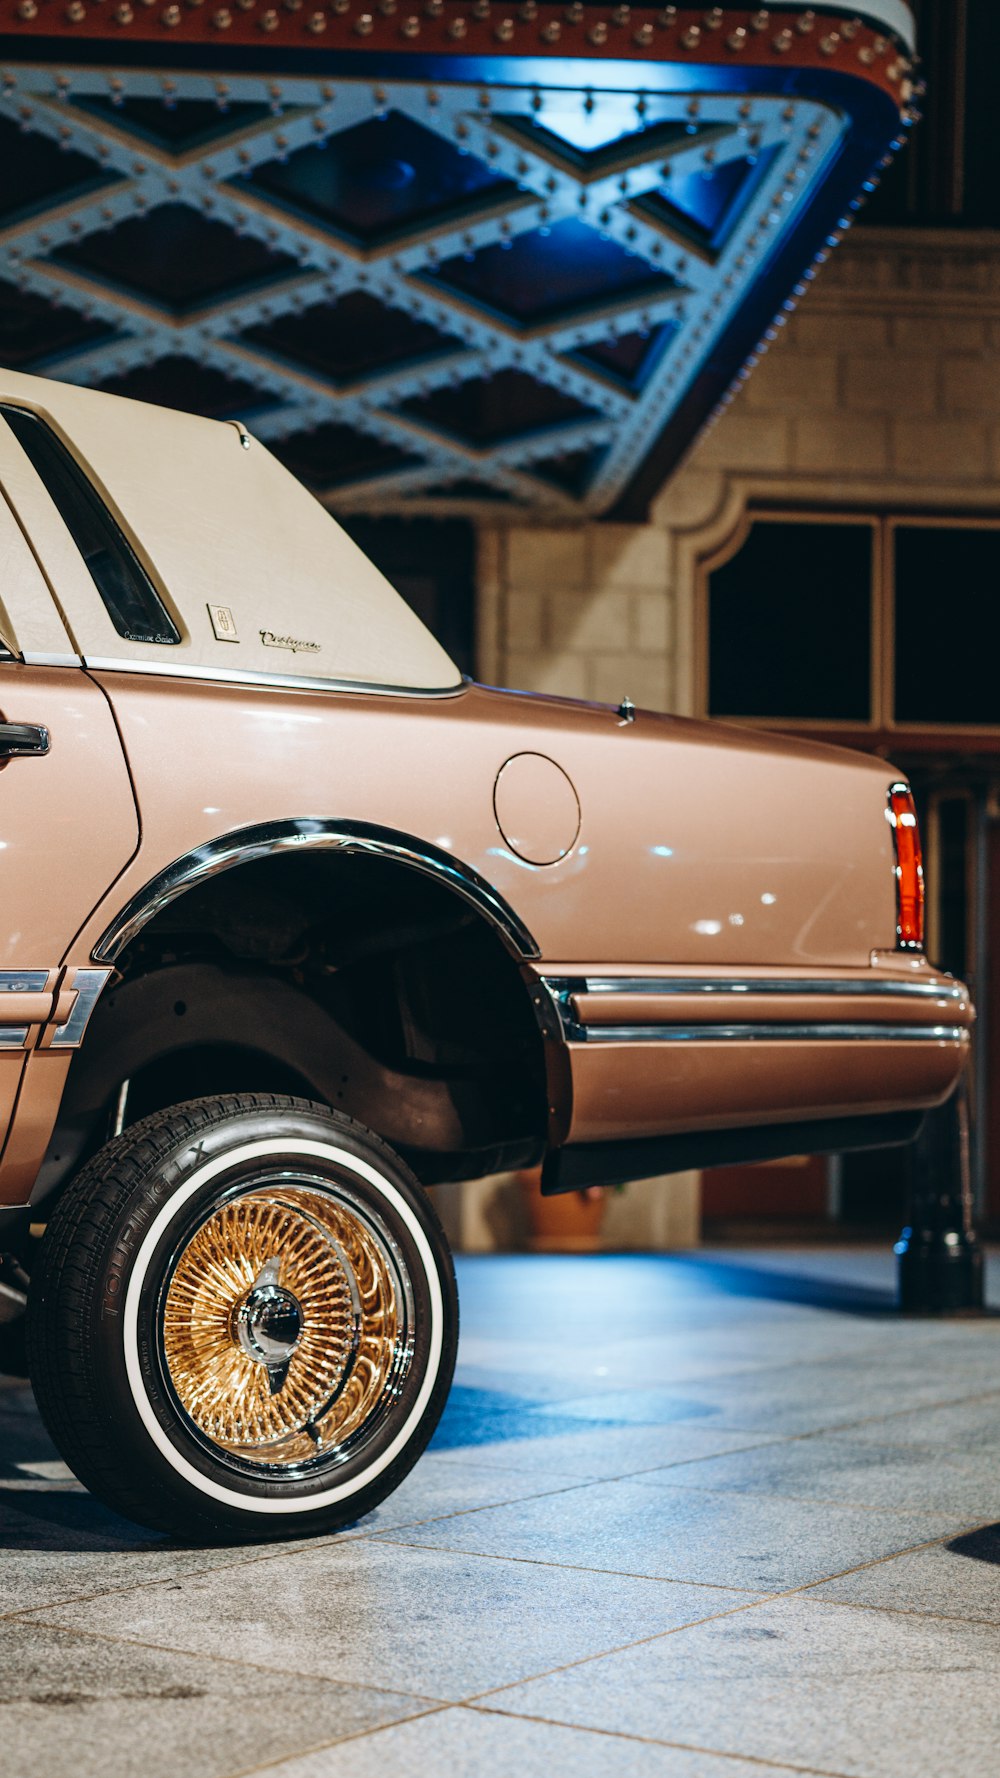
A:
{"x":284,"y":1325}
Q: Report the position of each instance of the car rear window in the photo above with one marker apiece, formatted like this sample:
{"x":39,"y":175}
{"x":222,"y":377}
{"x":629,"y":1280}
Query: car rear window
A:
{"x":132,"y":602}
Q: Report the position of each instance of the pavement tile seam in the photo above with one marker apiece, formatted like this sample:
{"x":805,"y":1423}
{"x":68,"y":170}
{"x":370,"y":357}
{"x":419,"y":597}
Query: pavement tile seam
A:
{"x":350,"y":1535}
{"x":272,"y":1765}
{"x":924,"y":1407}
{"x":841,"y":1428}
{"x":748,"y":1759}
{"x":931,"y":1449}
{"x":913,"y":1611}
{"x":80,"y":1632}
{"x":830,"y":1428}
{"x":835,"y":1427}
{"x":250,"y":1560}
{"x":751,"y":1604}
{"x":891,"y":1556}
{"x":666,"y":1580}
{"x":255,"y":1555}
{"x":752,"y":1600}
{"x":854,"y":1506}
{"x":476,"y":1698}
{"x":625,"y":1475}
{"x":743,"y":1450}
{"x":956,"y":1528}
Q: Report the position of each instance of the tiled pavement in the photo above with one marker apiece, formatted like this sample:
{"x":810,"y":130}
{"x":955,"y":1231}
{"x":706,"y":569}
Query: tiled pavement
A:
{"x":703,"y":1516}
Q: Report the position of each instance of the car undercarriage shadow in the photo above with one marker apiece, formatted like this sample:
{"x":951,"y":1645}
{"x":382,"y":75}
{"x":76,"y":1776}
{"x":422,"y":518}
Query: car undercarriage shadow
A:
{"x":42,"y":1508}
{"x":55,"y":1521}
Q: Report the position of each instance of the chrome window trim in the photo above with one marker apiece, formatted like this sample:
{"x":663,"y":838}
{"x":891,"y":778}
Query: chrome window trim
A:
{"x":38,"y":658}
{"x":307,"y":834}
{"x":167,"y":669}
{"x":765,"y":1033}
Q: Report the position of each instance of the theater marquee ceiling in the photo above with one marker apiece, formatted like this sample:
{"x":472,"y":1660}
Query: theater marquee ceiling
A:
{"x":442,"y":256}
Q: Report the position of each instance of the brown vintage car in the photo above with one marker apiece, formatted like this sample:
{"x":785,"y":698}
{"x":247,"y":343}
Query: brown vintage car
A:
{"x":299,"y":923}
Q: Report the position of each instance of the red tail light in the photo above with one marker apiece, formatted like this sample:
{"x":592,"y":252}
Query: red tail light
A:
{"x":909,"y":869}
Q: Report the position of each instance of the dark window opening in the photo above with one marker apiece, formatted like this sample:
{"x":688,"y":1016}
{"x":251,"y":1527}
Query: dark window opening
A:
{"x":432,"y":565}
{"x":952,"y":885}
{"x":945,"y":176}
{"x":789,"y":625}
{"x":130,"y":599}
{"x":938,"y":567}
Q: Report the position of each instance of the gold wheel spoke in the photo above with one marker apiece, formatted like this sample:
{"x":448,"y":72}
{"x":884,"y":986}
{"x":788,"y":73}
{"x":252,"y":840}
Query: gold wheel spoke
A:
{"x":291,"y":1244}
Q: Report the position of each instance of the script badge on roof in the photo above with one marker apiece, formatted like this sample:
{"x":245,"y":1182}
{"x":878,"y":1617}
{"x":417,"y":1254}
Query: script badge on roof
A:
{"x":295,"y":643}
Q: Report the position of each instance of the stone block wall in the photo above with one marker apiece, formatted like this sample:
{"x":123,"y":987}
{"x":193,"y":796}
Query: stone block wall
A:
{"x":891,"y":371}
{"x":577,"y":611}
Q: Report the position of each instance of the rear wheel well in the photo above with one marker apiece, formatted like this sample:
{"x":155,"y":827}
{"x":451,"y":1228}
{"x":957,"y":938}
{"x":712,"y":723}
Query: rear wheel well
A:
{"x":346,"y":978}
{"x":204,"y":1070}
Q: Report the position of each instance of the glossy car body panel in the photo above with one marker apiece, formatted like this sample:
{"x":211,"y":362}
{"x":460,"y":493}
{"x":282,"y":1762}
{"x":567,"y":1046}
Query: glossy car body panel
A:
{"x":782,"y":880}
{"x":68,"y":821}
{"x":68,"y":826}
{"x":632,"y":1089}
{"x":726,"y":899}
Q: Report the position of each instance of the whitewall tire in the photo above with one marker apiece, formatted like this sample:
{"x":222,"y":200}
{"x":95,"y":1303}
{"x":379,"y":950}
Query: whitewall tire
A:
{"x":244,"y":1320}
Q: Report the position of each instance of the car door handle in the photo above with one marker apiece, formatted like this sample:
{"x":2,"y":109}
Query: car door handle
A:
{"x":17,"y":738}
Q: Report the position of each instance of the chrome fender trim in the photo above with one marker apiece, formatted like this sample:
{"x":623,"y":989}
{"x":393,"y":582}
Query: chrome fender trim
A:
{"x":86,"y":985}
{"x":89,"y":985}
{"x":261,"y":841}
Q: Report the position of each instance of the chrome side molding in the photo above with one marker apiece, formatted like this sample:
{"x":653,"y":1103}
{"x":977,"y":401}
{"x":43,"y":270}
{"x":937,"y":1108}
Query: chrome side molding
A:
{"x":948,"y":997}
{"x":628,"y":984}
{"x":269,"y":838}
{"x":14,"y":982}
{"x":764,"y":1032}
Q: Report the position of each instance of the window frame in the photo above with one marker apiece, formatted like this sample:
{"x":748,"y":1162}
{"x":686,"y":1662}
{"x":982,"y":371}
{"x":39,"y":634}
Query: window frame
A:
{"x":882,"y":723}
{"x":61,"y":474}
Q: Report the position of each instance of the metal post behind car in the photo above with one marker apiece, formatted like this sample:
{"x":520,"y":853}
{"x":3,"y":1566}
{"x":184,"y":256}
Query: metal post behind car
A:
{"x":940,"y":1261}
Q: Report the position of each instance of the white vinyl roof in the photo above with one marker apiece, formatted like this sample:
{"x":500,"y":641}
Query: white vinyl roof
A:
{"x":217,"y":522}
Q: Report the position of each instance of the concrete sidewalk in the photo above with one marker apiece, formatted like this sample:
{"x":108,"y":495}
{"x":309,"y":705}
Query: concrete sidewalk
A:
{"x":697,"y":1516}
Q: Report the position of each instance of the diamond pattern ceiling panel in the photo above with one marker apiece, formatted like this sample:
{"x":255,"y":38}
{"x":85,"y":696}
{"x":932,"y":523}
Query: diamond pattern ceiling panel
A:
{"x":381,"y":180}
{"x":35,"y":331}
{"x":556,"y":272}
{"x":494,"y":273}
{"x":176,"y":255}
{"x":193,"y":388}
{"x":350,"y":338}
{"x":485,"y":411}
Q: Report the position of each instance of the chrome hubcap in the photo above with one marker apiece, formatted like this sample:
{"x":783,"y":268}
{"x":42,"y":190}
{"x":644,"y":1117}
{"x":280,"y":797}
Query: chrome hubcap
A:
{"x":268,"y":1324}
